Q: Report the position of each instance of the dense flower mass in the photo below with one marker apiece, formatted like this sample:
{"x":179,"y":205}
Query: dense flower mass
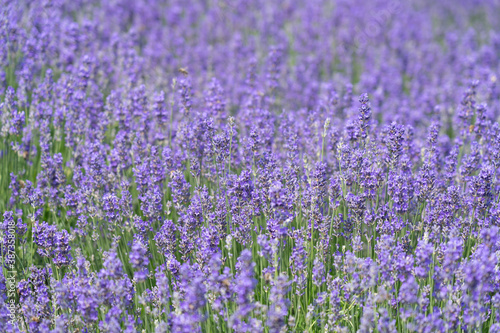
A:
{"x":250,"y":166}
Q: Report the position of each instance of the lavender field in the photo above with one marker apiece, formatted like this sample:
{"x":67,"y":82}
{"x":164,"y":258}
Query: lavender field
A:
{"x":249,"y":166}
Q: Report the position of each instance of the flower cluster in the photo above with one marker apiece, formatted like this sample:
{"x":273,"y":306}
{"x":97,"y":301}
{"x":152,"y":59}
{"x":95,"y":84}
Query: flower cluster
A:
{"x":250,"y":166}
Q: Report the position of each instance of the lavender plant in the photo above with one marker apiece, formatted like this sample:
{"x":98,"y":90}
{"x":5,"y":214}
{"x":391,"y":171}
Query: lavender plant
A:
{"x":249,"y":166}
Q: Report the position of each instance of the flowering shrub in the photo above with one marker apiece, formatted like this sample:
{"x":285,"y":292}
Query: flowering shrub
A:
{"x":208,"y":166}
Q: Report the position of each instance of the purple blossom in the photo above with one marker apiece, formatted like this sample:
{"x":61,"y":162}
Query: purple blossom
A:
{"x":139,"y":260}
